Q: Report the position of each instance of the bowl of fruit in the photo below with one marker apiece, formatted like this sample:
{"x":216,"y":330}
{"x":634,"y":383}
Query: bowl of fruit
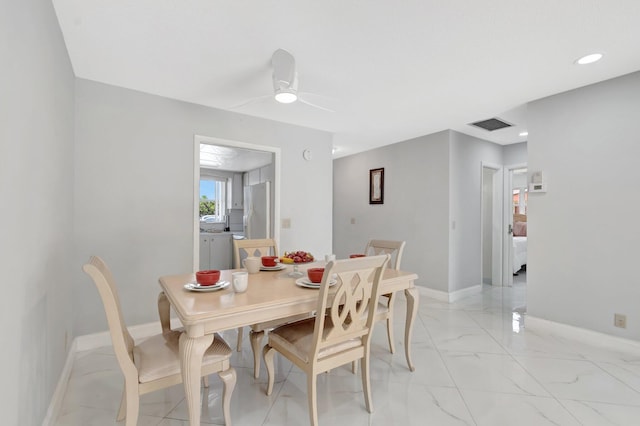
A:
{"x":296,"y":257}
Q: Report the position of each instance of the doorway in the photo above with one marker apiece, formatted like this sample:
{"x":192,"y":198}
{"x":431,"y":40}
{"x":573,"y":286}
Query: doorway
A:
{"x":491,"y":225}
{"x":515,"y":213}
{"x":253,"y":156}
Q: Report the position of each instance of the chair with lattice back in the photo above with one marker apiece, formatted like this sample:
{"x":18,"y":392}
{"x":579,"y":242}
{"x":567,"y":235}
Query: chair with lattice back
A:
{"x":341,"y":336}
{"x":384,"y":309}
{"x":258,"y":248}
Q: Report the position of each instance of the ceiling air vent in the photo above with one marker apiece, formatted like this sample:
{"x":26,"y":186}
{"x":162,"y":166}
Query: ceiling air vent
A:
{"x":491,"y":124}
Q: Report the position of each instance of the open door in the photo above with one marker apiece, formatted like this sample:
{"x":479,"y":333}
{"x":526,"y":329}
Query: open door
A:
{"x":491,"y":217}
{"x":515,"y":178}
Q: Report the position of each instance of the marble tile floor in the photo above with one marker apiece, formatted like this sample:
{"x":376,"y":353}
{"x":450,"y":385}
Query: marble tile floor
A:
{"x":476,"y":364}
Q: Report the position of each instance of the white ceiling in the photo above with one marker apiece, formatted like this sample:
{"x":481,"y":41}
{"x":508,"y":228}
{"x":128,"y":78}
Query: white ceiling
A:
{"x":391,"y":70}
{"x":232,"y":159}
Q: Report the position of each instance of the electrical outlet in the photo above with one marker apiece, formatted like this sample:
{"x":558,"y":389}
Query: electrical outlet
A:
{"x":286,"y":223}
{"x":353,"y":220}
{"x":620,"y":320}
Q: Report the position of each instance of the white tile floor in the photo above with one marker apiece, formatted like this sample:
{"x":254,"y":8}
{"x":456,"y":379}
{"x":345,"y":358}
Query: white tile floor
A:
{"x":476,"y":364}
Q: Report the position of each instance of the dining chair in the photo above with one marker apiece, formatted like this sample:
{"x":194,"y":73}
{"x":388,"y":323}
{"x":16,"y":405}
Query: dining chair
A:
{"x":341,"y":335}
{"x":384,"y":309}
{"x":257,"y":247}
{"x":154,"y":363}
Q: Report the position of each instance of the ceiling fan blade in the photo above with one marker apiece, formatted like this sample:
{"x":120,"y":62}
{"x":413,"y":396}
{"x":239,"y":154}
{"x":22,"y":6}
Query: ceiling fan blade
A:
{"x":249,"y":101}
{"x":329,"y":98}
{"x":314,"y":105}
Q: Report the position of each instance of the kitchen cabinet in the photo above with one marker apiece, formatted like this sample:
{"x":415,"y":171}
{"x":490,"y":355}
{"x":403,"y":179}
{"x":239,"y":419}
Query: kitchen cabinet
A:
{"x":215,"y":251}
{"x":253,"y":177}
{"x":237,"y":191}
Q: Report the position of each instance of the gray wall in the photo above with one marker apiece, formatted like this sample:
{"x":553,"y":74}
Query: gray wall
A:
{"x":415,"y":209}
{"x":467,"y":155}
{"x":134,"y":190}
{"x":514,"y":154}
{"x":583,"y":244}
{"x":36,"y":189}
{"x":430,"y":182}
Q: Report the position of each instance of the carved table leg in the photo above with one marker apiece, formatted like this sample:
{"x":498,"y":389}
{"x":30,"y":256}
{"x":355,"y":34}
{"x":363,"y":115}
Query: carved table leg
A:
{"x":191,"y":351}
{"x":413,"y":297}
{"x":256,"y":345}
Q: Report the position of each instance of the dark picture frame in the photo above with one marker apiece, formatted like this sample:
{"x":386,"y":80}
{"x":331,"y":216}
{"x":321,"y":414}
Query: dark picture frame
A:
{"x":376,"y":186}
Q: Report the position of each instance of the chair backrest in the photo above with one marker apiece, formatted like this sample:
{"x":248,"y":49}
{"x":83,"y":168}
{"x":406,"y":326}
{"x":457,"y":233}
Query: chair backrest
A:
{"x":257,"y":247}
{"x":122,"y":341}
{"x":346,"y":303}
{"x":394,"y":248}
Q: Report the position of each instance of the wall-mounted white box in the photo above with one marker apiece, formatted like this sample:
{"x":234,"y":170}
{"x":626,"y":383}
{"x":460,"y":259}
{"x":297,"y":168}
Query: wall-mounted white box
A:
{"x":538,"y":187}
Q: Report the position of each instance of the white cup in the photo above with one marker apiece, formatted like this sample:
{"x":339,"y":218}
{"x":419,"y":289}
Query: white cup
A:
{"x":252,"y":264}
{"x":240,"y":281}
{"x":329,"y":257}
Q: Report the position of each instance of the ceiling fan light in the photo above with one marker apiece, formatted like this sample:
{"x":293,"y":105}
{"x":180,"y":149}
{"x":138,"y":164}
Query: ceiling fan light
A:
{"x":286,"y":97}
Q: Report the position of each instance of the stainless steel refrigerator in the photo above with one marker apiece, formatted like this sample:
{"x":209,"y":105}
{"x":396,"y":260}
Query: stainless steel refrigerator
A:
{"x":257,"y":211}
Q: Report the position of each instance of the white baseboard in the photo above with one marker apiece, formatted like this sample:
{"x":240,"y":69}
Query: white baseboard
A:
{"x":440,"y":295}
{"x":444,"y":296}
{"x":591,"y":337}
{"x":88,"y":342}
{"x":56,"y":399}
{"x":465,"y":292}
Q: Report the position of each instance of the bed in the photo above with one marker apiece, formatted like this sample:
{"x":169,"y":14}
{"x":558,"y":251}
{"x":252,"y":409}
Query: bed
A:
{"x":519,"y":252}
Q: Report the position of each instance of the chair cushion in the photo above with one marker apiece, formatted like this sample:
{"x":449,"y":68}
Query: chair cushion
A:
{"x":158,"y":356}
{"x":297,"y":338}
{"x":382,"y":310}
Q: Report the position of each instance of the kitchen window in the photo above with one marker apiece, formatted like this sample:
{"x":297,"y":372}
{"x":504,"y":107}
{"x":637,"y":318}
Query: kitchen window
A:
{"x":212,"y":197}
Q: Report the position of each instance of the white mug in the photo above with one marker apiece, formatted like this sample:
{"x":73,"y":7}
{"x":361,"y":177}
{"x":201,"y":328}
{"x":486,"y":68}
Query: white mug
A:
{"x":252,"y":264}
{"x":329,"y":257}
{"x":240,"y":281}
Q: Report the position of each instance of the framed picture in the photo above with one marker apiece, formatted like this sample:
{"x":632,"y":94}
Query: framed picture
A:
{"x":376,"y":186}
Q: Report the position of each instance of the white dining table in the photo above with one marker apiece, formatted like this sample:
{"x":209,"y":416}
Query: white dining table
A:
{"x":270,"y":295}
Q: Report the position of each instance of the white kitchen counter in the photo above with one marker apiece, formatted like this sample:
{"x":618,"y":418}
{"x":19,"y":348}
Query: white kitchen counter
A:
{"x":217,"y":233}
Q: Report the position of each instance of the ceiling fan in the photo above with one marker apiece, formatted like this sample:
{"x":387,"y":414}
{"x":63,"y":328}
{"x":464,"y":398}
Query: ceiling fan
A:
{"x":285,"y":82}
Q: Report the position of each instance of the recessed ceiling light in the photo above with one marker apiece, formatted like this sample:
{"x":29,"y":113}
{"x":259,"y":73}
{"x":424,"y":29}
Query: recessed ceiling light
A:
{"x":589,"y":59}
{"x":524,"y":133}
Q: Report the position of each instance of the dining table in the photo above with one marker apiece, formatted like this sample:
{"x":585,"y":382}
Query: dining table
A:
{"x":270,"y":295}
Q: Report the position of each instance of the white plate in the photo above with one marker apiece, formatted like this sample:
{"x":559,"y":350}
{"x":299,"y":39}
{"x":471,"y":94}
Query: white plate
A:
{"x":273,"y":268}
{"x":306,"y":282}
{"x":204,"y":288}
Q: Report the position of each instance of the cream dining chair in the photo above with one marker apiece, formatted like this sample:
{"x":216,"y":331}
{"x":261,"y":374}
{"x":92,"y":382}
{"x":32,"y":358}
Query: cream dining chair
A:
{"x":153,"y":363}
{"x":341,"y":336}
{"x":259,"y":248}
{"x":384,"y":310}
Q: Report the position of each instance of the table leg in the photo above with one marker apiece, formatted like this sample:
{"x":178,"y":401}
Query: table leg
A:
{"x":413,"y":298}
{"x":256,"y":345}
{"x":191,"y":351}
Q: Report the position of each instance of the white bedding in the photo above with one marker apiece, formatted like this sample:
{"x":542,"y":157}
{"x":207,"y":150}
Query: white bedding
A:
{"x":519,"y":253}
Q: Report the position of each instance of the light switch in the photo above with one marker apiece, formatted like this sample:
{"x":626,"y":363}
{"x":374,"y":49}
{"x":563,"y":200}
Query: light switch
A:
{"x":353,"y":220}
